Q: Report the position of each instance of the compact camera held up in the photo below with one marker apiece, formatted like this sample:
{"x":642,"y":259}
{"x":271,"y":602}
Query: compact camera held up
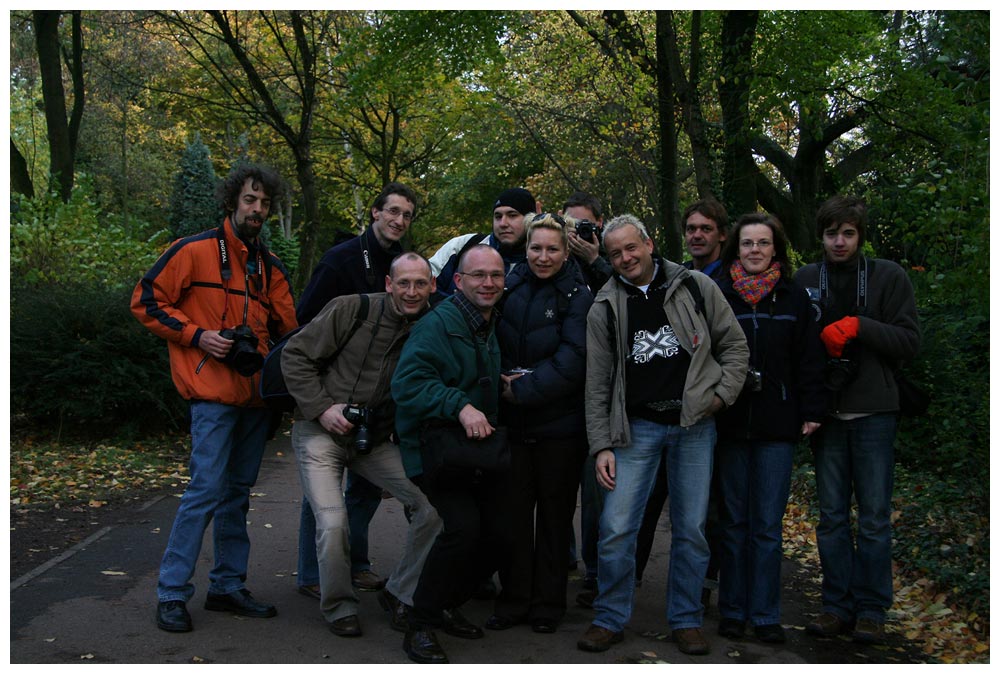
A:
{"x":360,"y":417}
{"x":243,"y":356}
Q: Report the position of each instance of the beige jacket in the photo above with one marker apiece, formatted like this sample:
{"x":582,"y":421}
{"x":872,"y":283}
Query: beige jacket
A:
{"x":715,"y":342}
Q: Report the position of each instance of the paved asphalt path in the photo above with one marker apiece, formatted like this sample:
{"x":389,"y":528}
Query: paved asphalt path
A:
{"x":97,"y":604}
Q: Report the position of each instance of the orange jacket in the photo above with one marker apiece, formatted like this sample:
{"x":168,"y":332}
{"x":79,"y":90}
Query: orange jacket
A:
{"x":186,"y":293}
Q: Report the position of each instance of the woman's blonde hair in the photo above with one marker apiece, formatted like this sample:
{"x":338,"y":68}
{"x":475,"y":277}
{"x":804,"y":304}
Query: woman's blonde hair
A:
{"x":557,"y":223}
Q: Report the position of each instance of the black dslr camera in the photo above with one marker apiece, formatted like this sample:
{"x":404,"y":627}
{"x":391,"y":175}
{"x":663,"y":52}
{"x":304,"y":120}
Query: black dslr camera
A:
{"x":840,"y":372}
{"x":243,"y":356}
{"x":585,"y":229}
{"x":360,"y":417}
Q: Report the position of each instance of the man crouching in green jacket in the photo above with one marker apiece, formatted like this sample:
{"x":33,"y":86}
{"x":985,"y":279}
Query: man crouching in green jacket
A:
{"x":438,"y":378}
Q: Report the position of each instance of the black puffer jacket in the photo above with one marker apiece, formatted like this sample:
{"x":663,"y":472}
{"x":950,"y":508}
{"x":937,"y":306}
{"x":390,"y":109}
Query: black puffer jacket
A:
{"x":785,"y":347}
{"x":543,"y":326}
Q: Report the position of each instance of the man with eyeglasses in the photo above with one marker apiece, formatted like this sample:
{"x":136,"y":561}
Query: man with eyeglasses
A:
{"x":507,"y":238}
{"x":344,"y":419}
{"x":439,"y":378}
{"x":358,"y":265}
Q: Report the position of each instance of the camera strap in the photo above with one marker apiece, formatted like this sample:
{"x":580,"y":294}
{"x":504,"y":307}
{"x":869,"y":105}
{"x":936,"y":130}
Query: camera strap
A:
{"x":366,"y":256}
{"x":861,"y":298}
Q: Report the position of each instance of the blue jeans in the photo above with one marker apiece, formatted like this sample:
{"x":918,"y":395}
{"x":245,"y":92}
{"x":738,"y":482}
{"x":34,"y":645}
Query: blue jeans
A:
{"x":362,"y":499}
{"x":688,"y":453}
{"x":227,"y":445}
{"x":856,"y":458}
{"x":754,"y":478}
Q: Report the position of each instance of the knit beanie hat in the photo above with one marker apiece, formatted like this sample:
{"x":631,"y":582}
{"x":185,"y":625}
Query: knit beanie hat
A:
{"x":517,"y":198}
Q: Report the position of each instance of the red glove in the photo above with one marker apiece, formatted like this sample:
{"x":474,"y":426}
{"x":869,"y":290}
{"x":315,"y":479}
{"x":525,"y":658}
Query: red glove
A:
{"x":836,"y":335}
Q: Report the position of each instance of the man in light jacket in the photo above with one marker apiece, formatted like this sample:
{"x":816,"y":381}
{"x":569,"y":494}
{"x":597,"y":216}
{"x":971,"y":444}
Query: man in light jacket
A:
{"x":664,"y":355}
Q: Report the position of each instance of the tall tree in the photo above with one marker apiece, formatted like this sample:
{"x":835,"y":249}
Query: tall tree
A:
{"x":270,"y":76}
{"x":739,"y":29}
{"x":63,"y":132}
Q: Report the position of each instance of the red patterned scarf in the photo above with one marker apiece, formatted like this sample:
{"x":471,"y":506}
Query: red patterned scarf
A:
{"x":754,"y":287}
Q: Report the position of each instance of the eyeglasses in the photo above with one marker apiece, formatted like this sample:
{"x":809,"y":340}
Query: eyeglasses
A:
{"x":480,"y":276}
{"x":747,"y":244}
{"x":395,"y":213}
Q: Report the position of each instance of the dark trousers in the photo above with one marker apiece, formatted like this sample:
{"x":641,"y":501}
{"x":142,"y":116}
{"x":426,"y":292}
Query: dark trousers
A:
{"x":469,"y":546}
{"x":544,"y":477}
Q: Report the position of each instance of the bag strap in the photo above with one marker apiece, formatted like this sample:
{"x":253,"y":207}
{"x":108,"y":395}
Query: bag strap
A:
{"x":359,"y":318}
{"x":699,"y":299}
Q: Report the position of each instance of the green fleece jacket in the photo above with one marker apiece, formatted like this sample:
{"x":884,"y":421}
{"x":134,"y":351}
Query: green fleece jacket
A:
{"x":437,"y":376}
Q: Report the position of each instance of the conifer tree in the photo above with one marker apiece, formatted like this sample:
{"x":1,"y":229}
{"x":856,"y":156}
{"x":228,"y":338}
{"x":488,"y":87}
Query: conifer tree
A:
{"x":193,"y":206}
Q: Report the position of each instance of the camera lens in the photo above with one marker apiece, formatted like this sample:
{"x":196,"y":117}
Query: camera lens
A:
{"x":362,"y":444}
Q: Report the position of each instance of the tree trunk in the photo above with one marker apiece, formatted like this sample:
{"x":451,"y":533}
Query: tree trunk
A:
{"x":668,"y":188}
{"x":688,"y":95}
{"x":20,"y":177}
{"x":54,"y":98}
{"x":739,"y":169}
{"x":307,"y":183}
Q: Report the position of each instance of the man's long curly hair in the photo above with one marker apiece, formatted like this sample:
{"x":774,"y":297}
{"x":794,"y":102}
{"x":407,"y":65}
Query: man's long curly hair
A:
{"x":228,"y":192}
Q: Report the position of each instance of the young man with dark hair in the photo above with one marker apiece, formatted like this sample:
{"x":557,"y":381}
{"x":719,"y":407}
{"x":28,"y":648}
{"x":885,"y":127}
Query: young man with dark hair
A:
{"x":868,"y":315}
{"x":507,"y":238}
{"x":216,"y":297}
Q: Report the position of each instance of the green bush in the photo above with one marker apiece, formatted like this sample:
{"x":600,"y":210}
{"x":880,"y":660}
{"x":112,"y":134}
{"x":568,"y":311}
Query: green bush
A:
{"x":83,"y":363}
{"x":70,"y":244}
{"x":286,"y":249}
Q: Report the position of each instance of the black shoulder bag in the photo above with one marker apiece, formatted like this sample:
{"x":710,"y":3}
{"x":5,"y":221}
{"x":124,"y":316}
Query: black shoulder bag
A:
{"x":450,"y":458}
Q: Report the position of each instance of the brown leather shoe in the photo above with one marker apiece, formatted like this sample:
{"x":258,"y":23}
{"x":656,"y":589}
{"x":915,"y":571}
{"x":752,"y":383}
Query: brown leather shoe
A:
{"x":828,"y":625}
{"x":867,"y":631}
{"x":599,"y":639}
{"x":691,"y":641}
{"x":348,"y":626}
{"x":367,"y":581}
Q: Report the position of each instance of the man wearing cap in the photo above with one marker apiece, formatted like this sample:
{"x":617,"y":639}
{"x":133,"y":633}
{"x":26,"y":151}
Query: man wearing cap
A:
{"x":507,"y":238}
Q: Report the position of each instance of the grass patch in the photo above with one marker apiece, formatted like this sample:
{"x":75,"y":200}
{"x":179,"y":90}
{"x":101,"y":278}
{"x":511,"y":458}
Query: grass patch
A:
{"x":44,"y":471}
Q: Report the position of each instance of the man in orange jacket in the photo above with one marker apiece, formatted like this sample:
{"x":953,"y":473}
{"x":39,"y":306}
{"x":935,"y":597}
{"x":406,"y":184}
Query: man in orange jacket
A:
{"x":218,"y":298}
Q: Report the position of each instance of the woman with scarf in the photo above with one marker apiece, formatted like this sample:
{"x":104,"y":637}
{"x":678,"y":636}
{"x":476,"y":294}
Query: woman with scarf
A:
{"x":543,"y":338}
{"x":783,"y":400}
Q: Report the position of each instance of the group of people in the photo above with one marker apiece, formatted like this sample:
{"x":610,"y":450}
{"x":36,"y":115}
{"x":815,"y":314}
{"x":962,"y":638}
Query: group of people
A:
{"x":608,"y":370}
